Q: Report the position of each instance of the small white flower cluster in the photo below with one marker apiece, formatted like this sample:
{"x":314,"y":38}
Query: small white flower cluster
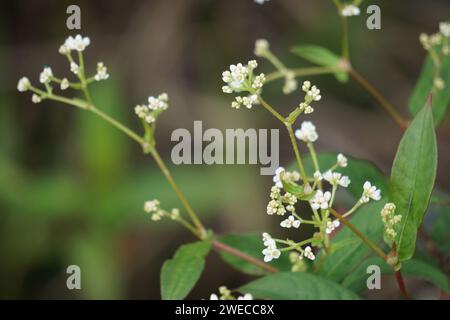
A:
{"x":240,"y":78}
{"x":336,"y":178}
{"x":308,"y":253}
{"x":262,"y":49}
{"x":280,"y":204}
{"x":331,"y":226}
{"x":102,"y":72}
{"x":281,"y":173}
{"x":312,"y":94}
{"x":153,"y":207}
{"x":290,"y":83}
{"x":270,"y":252}
{"x":307,"y":132}
{"x":46,"y":75}
{"x":370,"y":192}
{"x":156,"y":105}
{"x":350,"y":10}
{"x":390,"y":219}
{"x":342,"y":161}
{"x":290,"y":222}
{"x":438,"y":44}
{"x":321,"y":200}
{"x":77,"y":43}
{"x":225,"y":294}
{"x":24,"y":84}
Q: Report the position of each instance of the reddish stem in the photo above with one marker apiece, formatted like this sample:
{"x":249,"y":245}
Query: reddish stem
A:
{"x":222,"y":246}
{"x":401,"y":284}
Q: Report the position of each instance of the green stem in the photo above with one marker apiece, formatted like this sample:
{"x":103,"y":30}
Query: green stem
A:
{"x":358,"y":233}
{"x":271,"y":110}
{"x":178,"y":192}
{"x":312,"y":151}
{"x":301,"y":72}
{"x":297,"y":154}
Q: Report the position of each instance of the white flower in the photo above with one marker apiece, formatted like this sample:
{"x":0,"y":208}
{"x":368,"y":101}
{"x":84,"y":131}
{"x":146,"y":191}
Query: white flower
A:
{"x":258,"y":82}
{"x":64,"y":84}
{"x":268,"y":241}
{"x":277,"y":177}
{"x":23,"y":84}
{"x":158,"y":103}
{"x":249,"y":101}
{"x":314,"y":94}
{"x":320,"y":200}
{"x":335,"y":178}
{"x":246,"y":296}
{"x":64,"y":49}
{"x":213,"y":297}
{"x":151,"y":206}
{"x":252,"y":64}
{"x":306,"y":86}
{"x":317,"y":176}
{"x":350,"y":10}
{"x":309,"y":254}
{"x":35,"y":98}
{"x":444,"y":28}
{"x":290,"y":222}
{"x":102,"y":72}
{"x":236,"y":76}
{"x":331,"y":226}
{"x":174,"y":214}
{"x":261,"y":1}
{"x":46,"y":75}
{"x":307,"y":132}
{"x":370,"y":192}
{"x":275,"y":207}
{"x":78,"y":43}
{"x":227,"y":89}
{"x":271,"y":253}
{"x":74,"y":67}
{"x":342,"y":161}
{"x":290,"y":84}
{"x":261,"y":47}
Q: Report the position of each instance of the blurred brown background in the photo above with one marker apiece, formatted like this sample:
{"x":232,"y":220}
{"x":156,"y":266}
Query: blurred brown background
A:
{"x":72,"y":188}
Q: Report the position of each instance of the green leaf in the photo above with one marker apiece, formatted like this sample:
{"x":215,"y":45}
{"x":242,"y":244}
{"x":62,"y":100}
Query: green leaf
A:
{"x":252,"y":245}
{"x":321,"y":56}
{"x":297,"y":286}
{"x":424,"y":85}
{"x":414,"y":268}
{"x":440,"y":231}
{"x":181,"y":273}
{"x":412,"y":179}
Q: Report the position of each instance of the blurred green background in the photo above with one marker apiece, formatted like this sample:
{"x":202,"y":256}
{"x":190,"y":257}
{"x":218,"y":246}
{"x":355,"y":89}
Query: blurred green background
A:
{"x":72,"y":188}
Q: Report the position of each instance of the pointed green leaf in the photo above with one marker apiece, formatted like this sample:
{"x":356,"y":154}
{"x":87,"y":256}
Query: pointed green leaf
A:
{"x":297,"y":286}
{"x":321,"y":56}
{"x":412,"y":179}
{"x":181,"y":273}
{"x":424,"y":85}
